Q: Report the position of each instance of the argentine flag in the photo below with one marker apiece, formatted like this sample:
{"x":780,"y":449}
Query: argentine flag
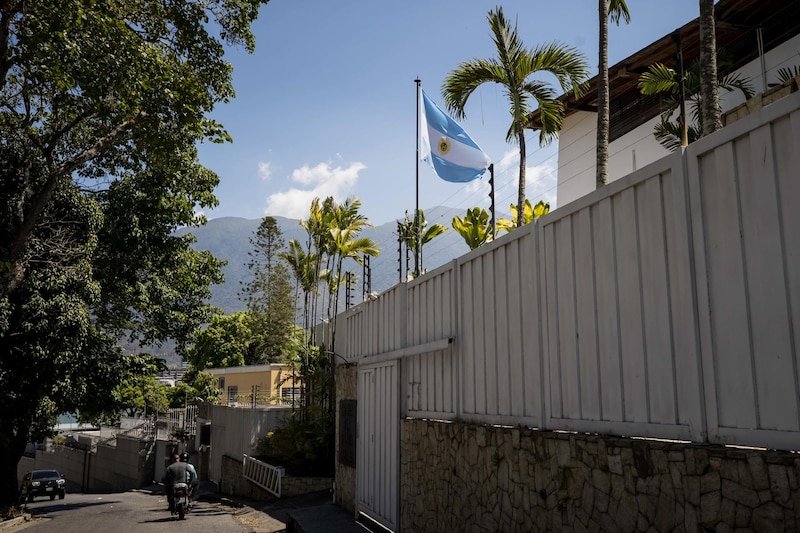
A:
{"x":453,"y":155}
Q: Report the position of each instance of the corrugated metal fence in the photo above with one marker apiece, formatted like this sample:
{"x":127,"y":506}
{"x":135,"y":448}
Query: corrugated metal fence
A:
{"x":666,"y":304}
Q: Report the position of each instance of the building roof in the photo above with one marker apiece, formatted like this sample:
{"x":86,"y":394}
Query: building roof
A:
{"x":246,"y":369}
{"x":736,"y":23}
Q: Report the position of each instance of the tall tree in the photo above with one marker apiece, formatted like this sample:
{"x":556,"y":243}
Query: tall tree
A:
{"x":614,"y":9}
{"x":227,"y":340}
{"x":512,"y":68}
{"x":269,"y":292}
{"x":711,"y":114}
{"x":346,"y":242}
{"x":101,"y":109}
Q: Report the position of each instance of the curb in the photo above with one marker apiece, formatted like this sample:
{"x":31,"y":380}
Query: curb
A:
{"x":8,"y":524}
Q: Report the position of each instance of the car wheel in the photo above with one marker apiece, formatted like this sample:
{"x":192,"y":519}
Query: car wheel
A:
{"x":52,"y":497}
{"x":61,"y":495}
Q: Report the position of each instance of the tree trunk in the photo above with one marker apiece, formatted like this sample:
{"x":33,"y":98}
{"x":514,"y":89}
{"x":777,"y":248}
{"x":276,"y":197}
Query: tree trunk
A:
{"x":11,"y":450}
{"x":709,"y":89}
{"x":603,"y":120}
{"x":522,"y":161}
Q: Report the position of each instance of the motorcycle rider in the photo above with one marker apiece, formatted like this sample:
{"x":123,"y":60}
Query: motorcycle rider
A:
{"x":177,"y":472}
{"x":191,"y":474}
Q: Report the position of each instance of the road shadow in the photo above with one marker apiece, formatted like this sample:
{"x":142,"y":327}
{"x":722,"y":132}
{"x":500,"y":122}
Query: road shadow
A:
{"x":64,"y":506}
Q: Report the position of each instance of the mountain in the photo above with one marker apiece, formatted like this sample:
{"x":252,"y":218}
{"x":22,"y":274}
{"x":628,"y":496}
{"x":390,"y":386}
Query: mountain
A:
{"x":228,"y":238}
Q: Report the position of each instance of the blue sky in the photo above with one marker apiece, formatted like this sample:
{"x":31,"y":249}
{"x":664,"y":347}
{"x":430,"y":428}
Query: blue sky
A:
{"x":327,"y":104}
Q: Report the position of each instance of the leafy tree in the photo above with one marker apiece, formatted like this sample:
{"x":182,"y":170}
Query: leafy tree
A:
{"x":613,"y":9}
{"x":269,"y":292}
{"x":530,"y":213}
{"x":303,"y":442}
{"x":101,"y":110}
{"x":512,"y":68}
{"x":227,"y":340}
{"x":660,"y":79}
{"x":142,"y":393}
{"x":474,"y":227}
{"x":203,"y":386}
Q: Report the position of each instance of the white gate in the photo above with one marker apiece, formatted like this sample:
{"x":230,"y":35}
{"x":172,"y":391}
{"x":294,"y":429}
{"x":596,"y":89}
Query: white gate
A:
{"x":378,"y":451}
{"x":264,"y":475}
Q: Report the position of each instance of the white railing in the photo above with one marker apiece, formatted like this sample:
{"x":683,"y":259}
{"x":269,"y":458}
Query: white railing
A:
{"x":264,"y":475}
{"x":665,"y":304}
{"x":182,"y":418}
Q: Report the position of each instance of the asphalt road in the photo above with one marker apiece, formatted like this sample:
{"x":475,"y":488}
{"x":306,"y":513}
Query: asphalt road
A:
{"x":132,"y":512}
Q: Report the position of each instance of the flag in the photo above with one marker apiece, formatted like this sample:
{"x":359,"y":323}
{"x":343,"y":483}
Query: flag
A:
{"x":453,"y":155}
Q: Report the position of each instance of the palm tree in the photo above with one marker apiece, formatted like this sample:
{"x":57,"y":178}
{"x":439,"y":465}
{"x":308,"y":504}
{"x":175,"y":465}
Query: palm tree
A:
{"x":614,"y":9}
{"x":711,"y":114}
{"x":660,"y":79}
{"x":305,"y":267}
{"x":511,"y":68}
{"x":408,"y":231}
{"x":345,"y":242}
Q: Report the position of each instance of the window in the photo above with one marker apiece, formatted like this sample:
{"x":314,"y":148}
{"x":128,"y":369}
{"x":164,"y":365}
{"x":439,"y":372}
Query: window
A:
{"x":291,"y":395}
{"x":221,"y":383}
{"x":233,"y":393}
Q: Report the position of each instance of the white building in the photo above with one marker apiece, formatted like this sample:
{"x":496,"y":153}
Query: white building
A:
{"x":745,"y":29}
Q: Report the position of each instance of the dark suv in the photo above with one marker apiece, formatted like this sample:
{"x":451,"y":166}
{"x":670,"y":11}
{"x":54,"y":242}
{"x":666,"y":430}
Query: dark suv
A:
{"x":42,"y":483}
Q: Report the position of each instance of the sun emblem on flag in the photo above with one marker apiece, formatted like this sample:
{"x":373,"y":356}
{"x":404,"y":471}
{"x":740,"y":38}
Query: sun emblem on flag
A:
{"x":444,"y":145}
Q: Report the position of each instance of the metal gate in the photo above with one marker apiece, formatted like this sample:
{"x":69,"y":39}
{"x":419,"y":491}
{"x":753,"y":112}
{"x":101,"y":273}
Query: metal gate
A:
{"x":378,"y":457}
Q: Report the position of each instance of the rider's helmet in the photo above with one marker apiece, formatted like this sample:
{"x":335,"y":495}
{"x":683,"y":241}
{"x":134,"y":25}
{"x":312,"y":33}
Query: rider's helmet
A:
{"x":184,"y":457}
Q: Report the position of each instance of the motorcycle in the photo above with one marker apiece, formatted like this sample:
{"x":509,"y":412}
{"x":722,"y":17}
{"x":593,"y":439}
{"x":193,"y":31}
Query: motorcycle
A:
{"x":180,"y":496}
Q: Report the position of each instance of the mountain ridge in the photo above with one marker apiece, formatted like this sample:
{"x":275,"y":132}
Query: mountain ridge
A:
{"x":228,"y":238}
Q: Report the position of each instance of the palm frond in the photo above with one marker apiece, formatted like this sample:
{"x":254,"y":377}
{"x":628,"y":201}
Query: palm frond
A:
{"x":659,"y":78}
{"x":618,"y":9}
{"x":465,"y":79}
{"x":733,"y":82}
{"x":787,"y":73}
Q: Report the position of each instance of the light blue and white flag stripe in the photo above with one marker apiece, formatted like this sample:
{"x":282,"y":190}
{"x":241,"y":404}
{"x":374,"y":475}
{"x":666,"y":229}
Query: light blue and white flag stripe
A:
{"x":453,"y":155}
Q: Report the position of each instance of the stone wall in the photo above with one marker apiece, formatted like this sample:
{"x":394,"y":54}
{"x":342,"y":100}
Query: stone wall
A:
{"x":462,"y":477}
{"x":297,"y":486}
{"x":346,"y":389}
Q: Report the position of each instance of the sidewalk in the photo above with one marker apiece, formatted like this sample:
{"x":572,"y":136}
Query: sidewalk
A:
{"x":311,"y":513}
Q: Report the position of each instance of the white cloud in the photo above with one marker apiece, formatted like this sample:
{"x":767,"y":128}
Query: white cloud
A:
{"x":510,"y":159}
{"x":264,"y":171}
{"x":320,"y":181}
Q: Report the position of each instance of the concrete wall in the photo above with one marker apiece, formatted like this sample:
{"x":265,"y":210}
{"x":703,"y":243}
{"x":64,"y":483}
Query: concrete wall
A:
{"x":235,"y":431}
{"x":346,"y":389}
{"x":460,"y":477}
{"x":109,"y":469}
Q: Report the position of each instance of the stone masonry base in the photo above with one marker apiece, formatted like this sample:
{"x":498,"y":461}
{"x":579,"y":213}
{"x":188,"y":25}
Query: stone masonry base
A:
{"x":463,"y":477}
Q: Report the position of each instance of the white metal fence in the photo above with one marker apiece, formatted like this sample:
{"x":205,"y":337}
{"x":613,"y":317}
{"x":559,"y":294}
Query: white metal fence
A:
{"x":264,"y":475}
{"x":666,"y":304}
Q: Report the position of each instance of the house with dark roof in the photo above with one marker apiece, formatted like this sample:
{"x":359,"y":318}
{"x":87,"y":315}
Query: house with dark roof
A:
{"x":759,"y":37}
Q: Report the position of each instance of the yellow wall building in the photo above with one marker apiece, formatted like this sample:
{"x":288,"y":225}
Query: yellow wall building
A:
{"x":256,"y":385}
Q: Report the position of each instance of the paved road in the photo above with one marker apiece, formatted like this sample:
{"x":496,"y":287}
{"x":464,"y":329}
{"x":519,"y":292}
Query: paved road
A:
{"x":132,"y":512}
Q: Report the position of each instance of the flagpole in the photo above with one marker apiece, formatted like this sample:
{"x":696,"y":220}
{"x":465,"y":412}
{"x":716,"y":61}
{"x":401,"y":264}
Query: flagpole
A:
{"x":417,"y":265}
